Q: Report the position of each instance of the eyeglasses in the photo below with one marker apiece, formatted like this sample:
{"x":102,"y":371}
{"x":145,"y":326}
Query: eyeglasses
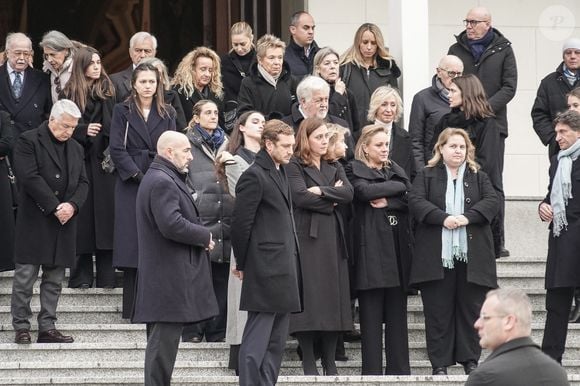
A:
{"x":451,"y":74}
{"x":25,"y":54}
{"x":473,"y":23}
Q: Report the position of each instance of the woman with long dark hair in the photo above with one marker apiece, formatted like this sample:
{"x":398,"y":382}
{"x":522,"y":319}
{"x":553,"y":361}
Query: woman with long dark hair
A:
{"x":136,"y":126}
{"x":91,"y":89}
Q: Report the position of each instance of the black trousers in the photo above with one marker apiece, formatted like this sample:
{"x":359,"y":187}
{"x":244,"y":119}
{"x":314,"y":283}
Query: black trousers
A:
{"x":161,"y":351}
{"x":388,"y":305}
{"x":558,"y":303}
{"x":451,"y":307}
{"x":500,"y":217}
{"x":262,"y":348}
{"x":214,"y":329}
{"x":82,"y":272}
{"x":129,"y":289}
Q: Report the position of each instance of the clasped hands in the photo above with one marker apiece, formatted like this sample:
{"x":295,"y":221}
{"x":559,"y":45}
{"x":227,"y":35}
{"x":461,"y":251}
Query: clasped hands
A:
{"x":64,"y":211}
{"x":454,"y":222}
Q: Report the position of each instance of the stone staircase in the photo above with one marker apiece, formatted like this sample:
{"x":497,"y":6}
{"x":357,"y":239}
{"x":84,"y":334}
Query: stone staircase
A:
{"x":110,"y":351}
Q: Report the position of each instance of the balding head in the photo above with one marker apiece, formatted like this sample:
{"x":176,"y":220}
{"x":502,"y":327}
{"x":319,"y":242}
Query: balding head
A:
{"x":450,"y":66}
{"x":477,"y":23}
{"x":175,"y":147}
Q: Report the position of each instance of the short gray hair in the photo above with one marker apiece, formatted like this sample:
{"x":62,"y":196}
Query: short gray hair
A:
{"x":514,"y":301}
{"x":12,"y":36}
{"x":65,"y":106}
{"x":570,"y":118}
{"x":310,"y":84}
{"x":56,"y":41}
{"x":140,"y":37}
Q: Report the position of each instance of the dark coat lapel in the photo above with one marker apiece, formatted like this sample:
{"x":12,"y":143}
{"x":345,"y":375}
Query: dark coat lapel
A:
{"x":265,"y":161}
{"x":29,"y":87}
{"x":44,"y":139}
{"x":7,"y":97}
{"x":138,"y":123}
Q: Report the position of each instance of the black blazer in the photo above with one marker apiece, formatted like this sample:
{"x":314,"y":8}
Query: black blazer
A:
{"x":122,"y":82}
{"x":34,"y":104}
{"x":264,"y":239}
{"x":40,"y":174}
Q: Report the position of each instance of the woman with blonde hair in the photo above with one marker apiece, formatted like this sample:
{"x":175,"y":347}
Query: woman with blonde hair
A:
{"x":270,"y":87}
{"x":453,"y":203}
{"x":198,"y":76}
{"x":381,"y":252}
{"x":367,"y":65}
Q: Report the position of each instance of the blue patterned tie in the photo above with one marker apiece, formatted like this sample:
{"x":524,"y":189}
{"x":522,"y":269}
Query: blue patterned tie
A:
{"x":17,"y":85}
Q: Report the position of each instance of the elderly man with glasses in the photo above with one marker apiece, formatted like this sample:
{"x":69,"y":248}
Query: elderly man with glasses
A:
{"x":24,"y":91}
{"x":487,"y":53}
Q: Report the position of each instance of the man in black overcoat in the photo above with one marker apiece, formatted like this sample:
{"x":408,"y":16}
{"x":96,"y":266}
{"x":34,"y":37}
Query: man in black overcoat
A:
{"x":142,"y":45}
{"x":53,"y":187}
{"x":266,"y":249}
{"x":504,"y":327}
{"x":561,"y":208}
{"x":174,"y":284}
{"x":24,"y":91}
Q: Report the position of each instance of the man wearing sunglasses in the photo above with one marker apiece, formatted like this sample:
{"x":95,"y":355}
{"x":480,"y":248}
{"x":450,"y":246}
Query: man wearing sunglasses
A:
{"x":487,"y":53}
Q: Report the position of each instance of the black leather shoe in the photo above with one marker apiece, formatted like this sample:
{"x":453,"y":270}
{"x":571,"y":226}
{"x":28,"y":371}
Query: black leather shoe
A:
{"x":469,"y":366}
{"x":195,"y":339}
{"x":53,"y":336}
{"x":440,"y":371}
{"x":351,"y":336}
{"x":340,"y":357}
{"x":504,"y":252}
{"x":22,"y":336}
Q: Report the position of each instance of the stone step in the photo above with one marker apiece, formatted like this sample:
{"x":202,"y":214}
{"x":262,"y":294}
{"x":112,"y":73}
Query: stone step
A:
{"x":74,"y":297}
{"x":73,"y":315}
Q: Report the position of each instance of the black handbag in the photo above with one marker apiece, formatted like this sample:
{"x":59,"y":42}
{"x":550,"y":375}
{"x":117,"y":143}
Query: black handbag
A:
{"x":107,"y":163}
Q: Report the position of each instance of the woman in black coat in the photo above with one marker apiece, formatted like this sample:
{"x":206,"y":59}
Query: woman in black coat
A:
{"x":454,"y":275}
{"x":471,"y":111}
{"x":270,"y":87}
{"x":367,"y":65}
{"x":7,"y":200}
{"x":236,"y":63}
{"x":198,"y":76}
{"x":136,"y":126}
{"x":385,"y":109}
{"x":341,"y":102}
{"x":317,"y":187}
{"x":92,"y":91}
{"x":381,"y":252}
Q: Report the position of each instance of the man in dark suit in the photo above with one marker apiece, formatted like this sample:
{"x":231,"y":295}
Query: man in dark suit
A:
{"x":142,"y":45}
{"x":504,"y":326}
{"x":53,"y":186}
{"x":561,"y":208}
{"x":178,"y":290}
{"x":266,"y":249}
{"x":24,"y":91}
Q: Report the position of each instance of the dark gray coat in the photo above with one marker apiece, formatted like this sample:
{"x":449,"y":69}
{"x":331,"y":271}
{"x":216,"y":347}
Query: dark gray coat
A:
{"x":376,"y":262}
{"x":562,"y":266}
{"x":496,"y":69}
{"x":323,"y":257}
{"x":132,"y":159}
{"x":122,"y":82}
{"x":212,"y":199}
{"x":427,"y":110}
{"x":174,"y":275}
{"x":519,"y":362}
{"x":264,"y":239}
{"x":300,"y":64}
{"x":550,"y":100}
{"x":34,"y":104}
{"x":40,"y":176}
{"x":6,"y":197}
{"x":427,"y":204}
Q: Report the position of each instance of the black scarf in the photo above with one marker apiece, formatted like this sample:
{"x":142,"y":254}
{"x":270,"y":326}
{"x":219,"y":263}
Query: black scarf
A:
{"x":478,"y":46}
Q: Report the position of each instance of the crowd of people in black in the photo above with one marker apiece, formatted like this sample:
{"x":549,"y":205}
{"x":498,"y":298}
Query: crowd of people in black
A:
{"x":378,"y":212}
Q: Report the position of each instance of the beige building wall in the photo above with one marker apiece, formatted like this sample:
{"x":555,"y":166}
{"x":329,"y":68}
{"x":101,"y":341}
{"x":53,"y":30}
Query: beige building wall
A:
{"x":537,"y":29}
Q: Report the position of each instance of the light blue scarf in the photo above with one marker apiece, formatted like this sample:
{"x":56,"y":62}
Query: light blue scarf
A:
{"x":562,"y":187}
{"x":454,"y":241}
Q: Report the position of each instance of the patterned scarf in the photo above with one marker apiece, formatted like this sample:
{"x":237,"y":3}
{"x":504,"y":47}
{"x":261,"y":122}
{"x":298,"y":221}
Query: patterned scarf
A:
{"x":213,"y":140}
{"x":562,"y":187}
{"x":571,"y":76}
{"x":454,"y":241}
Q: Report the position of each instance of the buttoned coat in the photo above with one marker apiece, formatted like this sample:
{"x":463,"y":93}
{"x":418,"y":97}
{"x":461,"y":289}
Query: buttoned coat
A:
{"x":322,"y":238}
{"x":7,"y":199}
{"x":427,"y":205}
{"x":264,"y":239}
{"x":496,"y":69}
{"x":562,"y":266}
{"x":34,"y":104}
{"x":376,"y":262}
{"x":39,"y":172}
{"x":131,"y":159}
{"x":95,"y":223}
{"x":518,"y":362}
{"x":174,"y":276}
{"x":551,"y":100}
